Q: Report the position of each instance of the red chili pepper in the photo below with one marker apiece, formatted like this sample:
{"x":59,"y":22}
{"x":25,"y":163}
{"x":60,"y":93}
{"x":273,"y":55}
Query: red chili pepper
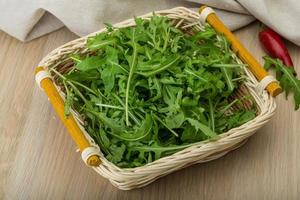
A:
{"x":274,"y":46}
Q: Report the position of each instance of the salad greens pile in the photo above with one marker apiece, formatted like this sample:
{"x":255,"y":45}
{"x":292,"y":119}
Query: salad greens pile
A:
{"x":151,"y":90}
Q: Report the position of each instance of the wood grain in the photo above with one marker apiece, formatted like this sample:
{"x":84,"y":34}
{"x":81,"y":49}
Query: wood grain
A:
{"x":38,"y":158}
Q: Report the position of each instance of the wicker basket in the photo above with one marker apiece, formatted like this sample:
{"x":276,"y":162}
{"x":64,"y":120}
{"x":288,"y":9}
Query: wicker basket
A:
{"x":204,"y":151}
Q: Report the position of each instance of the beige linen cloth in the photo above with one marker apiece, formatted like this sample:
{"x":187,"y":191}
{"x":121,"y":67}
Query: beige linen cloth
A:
{"x":29,"y":19}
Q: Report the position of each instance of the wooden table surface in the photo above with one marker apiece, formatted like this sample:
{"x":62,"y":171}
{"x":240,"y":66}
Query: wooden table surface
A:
{"x":38,"y":158}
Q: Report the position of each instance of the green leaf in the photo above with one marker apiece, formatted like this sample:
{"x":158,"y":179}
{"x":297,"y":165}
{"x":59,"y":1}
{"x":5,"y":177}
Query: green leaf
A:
{"x":207,"y":34}
{"x":81,"y":76}
{"x":105,"y":140}
{"x":108,"y":122}
{"x":228,"y":77}
{"x":211,"y":114}
{"x":190,"y":135}
{"x":165,"y":125}
{"x":286,"y":78}
{"x":108,"y":77}
{"x":175,"y":121}
{"x":90,"y":63}
{"x":164,"y":66}
{"x":99,"y":41}
{"x":240,"y":118}
{"x":112,"y":68}
{"x":116,"y":154}
{"x":202,"y":127}
{"x":69,"y":102}
{"x":246,"y":116}
{"x":132,"y":65}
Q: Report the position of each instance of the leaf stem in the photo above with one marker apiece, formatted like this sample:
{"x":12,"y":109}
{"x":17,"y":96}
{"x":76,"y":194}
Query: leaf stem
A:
{"x":194,"y":74}
{"x":109,"y":106}
{"x":211,"y":114}
{"x":165,"y":125}
{"x":131,"y":72}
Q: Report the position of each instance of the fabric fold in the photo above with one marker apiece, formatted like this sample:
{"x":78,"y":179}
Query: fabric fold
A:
{"x":29,"y":19}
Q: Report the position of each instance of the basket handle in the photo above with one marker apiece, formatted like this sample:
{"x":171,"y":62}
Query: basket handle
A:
{"x":89,"y":153}
{"x":208,"y":15}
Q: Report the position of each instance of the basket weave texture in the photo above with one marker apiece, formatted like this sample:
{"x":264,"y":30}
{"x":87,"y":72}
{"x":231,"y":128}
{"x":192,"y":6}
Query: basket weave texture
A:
{"x":204,"y":151}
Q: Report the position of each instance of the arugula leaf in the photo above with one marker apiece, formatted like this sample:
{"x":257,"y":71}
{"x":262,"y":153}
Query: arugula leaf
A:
{"x":175,"y":121}
{"x":99,"y":41}
{"x":69,"y":100}
{"x":112,"y":68}
{"x":165,"y":125}
{"x":90,"y":75}
{"x":167,"y":64}
{"x":89,"y":63}
{"x":202,"y":127}
{"x":228,"y":77}
{"x":116,"y":154}
{"x":286,"y":78}
{"x":240,"y":118}
{"x":132,"y":65}
{"x":190,"y":134}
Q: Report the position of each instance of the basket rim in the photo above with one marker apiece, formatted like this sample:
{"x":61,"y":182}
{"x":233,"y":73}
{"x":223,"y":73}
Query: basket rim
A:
{"x":250,"y":84}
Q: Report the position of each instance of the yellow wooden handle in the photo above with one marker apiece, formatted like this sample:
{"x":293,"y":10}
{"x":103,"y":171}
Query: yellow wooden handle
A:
{"x":69,"y":122}
{"x":259,"y":72}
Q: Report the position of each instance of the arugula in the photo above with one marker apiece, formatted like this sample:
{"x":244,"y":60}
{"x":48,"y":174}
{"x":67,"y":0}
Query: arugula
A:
{"x":285,"y":75}
{"x":151,"y":90}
